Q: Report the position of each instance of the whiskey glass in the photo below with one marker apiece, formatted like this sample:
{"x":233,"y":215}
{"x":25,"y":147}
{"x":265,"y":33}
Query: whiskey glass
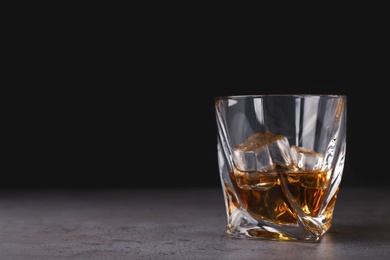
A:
{"x":281,"y":160}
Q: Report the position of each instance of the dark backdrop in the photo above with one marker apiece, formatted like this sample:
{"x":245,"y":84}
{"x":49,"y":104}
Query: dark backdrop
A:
{"x":130,"y":107}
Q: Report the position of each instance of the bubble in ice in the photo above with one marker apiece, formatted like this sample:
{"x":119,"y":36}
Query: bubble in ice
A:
{"x":306,"y":159}
{"x":261,"y":152}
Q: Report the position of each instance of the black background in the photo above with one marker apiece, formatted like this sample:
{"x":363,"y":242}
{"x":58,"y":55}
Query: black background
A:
{"x":116,"y":102}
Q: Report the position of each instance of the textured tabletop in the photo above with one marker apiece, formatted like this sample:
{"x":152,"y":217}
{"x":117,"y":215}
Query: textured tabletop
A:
{"x":174,"y":224}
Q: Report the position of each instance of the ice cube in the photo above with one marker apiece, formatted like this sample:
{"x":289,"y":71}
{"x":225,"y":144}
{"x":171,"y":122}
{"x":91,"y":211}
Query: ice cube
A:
{"x":306,"y":159}
{"x":261,"y":151}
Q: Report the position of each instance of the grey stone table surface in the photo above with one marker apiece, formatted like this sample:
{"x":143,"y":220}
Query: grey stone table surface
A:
{"x":174,"y":224}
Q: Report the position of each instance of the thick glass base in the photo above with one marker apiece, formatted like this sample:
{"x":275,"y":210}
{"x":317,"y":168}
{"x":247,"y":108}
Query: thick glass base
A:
{"x":242,"y":225}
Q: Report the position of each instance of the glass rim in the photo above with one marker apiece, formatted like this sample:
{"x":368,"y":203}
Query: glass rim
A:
{"x":279,"y":95}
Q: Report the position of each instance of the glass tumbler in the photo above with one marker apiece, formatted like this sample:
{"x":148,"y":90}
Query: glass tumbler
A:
{"x":281,"y":160}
